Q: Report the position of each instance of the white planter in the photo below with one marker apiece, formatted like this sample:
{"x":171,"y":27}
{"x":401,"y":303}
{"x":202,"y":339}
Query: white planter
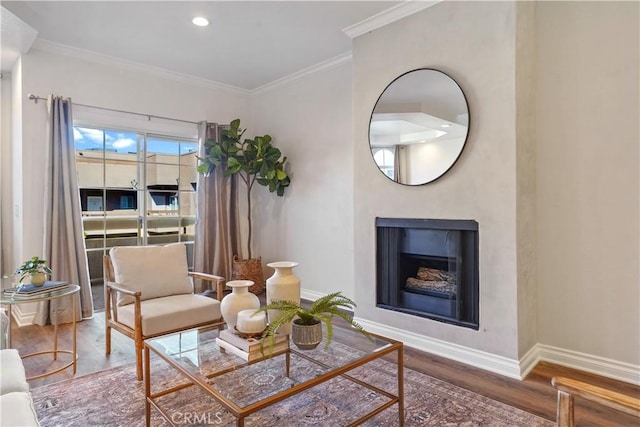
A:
{"x":283,"y":286}
{"x":239,"y":299}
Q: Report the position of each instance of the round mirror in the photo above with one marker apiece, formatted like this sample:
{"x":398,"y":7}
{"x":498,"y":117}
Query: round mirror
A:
{"x":419,"y":127}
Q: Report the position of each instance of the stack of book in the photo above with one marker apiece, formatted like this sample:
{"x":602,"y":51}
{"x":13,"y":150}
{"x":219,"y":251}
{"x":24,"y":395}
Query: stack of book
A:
{"x":30,"y":291}
{"x":251,"y":349}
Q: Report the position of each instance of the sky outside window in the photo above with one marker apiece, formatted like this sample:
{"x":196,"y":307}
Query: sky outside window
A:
{"x":125,"y":142}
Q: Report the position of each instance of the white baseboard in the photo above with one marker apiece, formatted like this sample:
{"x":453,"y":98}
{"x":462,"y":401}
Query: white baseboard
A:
{"x":511,"y":368}
{"x":24,"y":314}
{"x":529,"y":361}
{"x":480,"y":359}
{"x":311,"y":295}
{"x":602,"y":366}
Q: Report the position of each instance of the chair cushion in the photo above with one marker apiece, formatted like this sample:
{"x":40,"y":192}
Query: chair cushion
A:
{"x":17,"y":410}
{"x":13,"y":377}
{"x":161,"y":315}
{"x":156,"y":271}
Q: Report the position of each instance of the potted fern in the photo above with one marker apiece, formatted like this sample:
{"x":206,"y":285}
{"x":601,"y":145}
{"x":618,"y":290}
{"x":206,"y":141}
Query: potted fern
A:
{"x":307,"y":321}
{"x":253,"y":160}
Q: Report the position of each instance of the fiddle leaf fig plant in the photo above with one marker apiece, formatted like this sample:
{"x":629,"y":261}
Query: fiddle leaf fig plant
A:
{"x":253,"y":160}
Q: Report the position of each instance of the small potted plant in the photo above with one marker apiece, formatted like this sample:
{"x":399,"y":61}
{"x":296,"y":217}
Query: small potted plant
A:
{"x":307,"y":321}
{"x":35,"y":268}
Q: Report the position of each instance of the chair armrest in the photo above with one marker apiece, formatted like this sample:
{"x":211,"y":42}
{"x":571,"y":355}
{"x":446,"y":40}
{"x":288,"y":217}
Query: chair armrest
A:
{"x":205,"y":276}
{"x":119,"y":288}
{"x":210,"y":278}
{"x":111,"y":309}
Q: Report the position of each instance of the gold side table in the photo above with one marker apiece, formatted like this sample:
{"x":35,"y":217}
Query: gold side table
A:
{"x":68,"y":291}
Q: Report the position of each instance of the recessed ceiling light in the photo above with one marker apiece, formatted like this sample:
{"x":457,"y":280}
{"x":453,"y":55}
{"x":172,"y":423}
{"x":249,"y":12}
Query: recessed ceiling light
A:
{"x":200,"y":21}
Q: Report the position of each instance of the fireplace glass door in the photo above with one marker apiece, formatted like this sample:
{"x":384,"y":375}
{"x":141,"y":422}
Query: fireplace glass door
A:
{"x":429,"y":268}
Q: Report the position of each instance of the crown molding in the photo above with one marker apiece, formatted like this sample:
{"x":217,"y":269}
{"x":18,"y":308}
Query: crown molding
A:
{"x":16,"y":37}
{"x":87,"y":55}
{"x":388,"y":16}
{"x":82,"y":54}
{"x":324,"y":65}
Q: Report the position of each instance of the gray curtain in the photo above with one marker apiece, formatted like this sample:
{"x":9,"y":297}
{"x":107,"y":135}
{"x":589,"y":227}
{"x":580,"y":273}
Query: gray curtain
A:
{"x":396,"y":164}
{"x":400,"y":164}
{"x":217,"y":224}
{"x":64,"y":246}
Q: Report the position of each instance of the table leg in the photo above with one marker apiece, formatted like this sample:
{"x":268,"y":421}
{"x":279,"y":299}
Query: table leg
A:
{"x":73,"y":317}
{"x":287,"y":363}
{"x":9,"y":329}
{"x":55,"y":329}
{"x":147,"y":387}
{"x":401,"y":386}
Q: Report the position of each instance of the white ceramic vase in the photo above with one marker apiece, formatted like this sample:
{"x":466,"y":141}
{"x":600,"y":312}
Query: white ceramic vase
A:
{"x":284,"y":286}
{"x":239,"y":299}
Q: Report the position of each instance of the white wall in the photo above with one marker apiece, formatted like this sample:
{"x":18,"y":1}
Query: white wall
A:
{"x":474,"y":42}
{"x":588,"y":180}
{"x":310,"y":121}
{"x":5,"y":172}
{"x":13,"y":249}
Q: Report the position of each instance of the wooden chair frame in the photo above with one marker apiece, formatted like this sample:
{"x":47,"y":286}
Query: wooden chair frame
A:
{"x":568,"y":388}
{"x":111,"y":289}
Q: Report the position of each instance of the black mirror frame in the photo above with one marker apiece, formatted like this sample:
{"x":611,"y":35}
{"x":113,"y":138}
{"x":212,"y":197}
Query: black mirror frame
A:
{"x":466,"y":139}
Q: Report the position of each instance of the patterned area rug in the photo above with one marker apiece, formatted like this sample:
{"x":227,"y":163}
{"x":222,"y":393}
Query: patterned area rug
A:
{"x":115,"y":398}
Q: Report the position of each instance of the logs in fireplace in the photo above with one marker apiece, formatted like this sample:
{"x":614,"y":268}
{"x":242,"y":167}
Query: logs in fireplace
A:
{"x":429,"y":268}
{"x":432,"y":279}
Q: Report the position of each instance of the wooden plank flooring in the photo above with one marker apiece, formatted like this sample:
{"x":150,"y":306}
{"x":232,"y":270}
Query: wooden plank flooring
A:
{"x":535,"y":394}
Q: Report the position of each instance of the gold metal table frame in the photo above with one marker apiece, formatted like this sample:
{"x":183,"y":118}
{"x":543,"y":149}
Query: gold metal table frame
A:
{"x":385,"y":347}
{"x":53,"y":295}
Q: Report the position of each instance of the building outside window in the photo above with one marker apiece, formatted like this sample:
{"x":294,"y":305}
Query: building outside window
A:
{"x":136,"y":188}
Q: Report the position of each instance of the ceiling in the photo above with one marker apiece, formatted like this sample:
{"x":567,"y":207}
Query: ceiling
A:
{"x":247,"y":45}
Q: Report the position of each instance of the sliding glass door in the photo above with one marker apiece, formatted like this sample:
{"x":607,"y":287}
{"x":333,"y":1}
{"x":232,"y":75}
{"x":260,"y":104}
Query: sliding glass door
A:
{"x":136,"y":188}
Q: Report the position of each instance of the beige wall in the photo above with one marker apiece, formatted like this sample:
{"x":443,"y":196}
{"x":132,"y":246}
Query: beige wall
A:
{"x":310,"y":121}
{"x":587,"y":177}
{"x":474,"y":42}
{"x":550,"y":173}
{"x":526,"y":209}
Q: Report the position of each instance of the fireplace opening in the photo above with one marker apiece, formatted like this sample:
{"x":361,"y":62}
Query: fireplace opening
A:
{"x":429,"y":268}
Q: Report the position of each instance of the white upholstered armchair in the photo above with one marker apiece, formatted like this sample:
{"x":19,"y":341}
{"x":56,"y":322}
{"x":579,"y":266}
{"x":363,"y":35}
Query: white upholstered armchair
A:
{"x":149,"y":292}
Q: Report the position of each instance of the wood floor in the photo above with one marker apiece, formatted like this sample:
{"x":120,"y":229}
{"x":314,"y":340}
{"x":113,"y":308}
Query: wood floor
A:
{"x":535,"y":394}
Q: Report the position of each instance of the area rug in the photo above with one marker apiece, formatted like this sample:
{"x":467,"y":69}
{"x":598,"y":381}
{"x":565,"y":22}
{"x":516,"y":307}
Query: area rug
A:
{"x":115,"y":398}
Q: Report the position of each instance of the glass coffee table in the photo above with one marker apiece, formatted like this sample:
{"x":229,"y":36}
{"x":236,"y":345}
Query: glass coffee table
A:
{"x":222,"y":375}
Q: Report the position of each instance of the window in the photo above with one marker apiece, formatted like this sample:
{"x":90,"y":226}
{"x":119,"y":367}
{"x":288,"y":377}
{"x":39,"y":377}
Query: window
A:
{"x":94,"y":203}
{"x":126,"y":202}
{"x":136,"y":188}
{"x":384,"y":158}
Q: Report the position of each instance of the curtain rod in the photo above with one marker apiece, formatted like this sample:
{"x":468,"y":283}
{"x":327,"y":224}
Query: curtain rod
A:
{"x":35,"y":99}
